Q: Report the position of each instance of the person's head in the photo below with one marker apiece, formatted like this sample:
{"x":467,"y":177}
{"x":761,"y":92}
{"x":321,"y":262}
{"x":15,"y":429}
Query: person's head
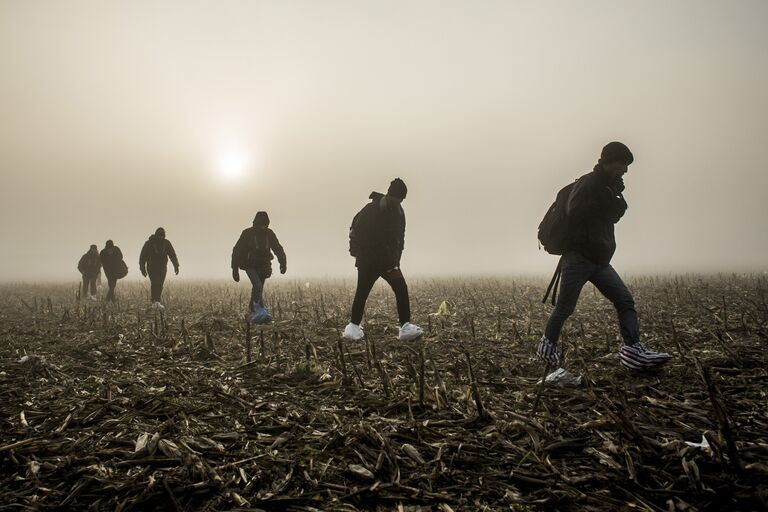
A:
{"x":93,"y":248}
{"x":261,"y":220}
{"x":615,"y":159}
{"x":397,"y":190}
{"x":160,"y":233}
{"x":110,"y":244}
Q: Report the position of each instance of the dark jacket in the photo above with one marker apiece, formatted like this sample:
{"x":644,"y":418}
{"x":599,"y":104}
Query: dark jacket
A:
{"x":254,"y":249}
{"x":89,"y":264}
{"x":155,"y":254}
{"x":377,"y":234}
{"x":110,"y":260}
{"x":594,"y":206}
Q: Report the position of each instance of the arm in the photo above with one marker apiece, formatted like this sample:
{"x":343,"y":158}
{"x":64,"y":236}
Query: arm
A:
{"x":81,"y":264}
{"x":592,"y":201}
{"x":172,"y":256}
{"x":143,"y":259}
{"x":119,"y":253}
{"x":274,"y":244}
{"x":237,"y":251}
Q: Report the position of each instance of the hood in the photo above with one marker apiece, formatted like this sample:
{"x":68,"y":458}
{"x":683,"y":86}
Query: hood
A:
{"x":375,"y":196}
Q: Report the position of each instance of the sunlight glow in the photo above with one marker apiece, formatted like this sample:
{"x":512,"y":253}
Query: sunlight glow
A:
{"x":232,"y":165}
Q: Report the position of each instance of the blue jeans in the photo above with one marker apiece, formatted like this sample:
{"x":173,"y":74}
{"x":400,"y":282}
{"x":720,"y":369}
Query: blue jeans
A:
{"x":257,"y":292}
{"x":576,"y":271}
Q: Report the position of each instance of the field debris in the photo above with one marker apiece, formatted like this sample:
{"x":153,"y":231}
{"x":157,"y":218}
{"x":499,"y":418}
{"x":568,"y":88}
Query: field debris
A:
{"x":116,"y":407}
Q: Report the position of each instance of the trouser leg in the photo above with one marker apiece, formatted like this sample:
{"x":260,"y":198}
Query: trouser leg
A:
{"x":84,"y":293}
{"x":157,"y":279}
{"x":608,"y":281}
{"x":396,"y":281}
{"x":576,"y":271}
{"x":92,"y":285}
{"x":365,"y":281}
{"x":257,"y":289}
{"x":111,"y":283}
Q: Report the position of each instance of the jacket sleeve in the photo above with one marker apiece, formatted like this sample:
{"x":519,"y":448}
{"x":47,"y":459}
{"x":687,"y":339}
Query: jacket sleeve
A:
{"x":593,"y":201}
{"x":81,"y":264}
{"x":172,"y":254}
{"x":143,"y":257}
{"x":400,"y":237}
{"x":237,"y":251}
{"x":274,"y":244}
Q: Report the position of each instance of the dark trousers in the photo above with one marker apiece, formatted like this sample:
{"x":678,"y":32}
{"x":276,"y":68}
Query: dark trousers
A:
{"x":366,"y":278}
{"x":89,"y":284}
{"x":576,"y":271}
{"x":111,"y":283}
{"x":157,"y":279}
{"x":257,"y":291}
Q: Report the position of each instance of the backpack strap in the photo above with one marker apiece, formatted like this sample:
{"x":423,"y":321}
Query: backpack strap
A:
{"x":553,"y":284}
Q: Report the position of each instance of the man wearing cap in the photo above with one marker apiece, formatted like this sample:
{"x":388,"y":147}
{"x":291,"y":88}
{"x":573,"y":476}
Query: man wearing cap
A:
{"x":153,"y":261}
{"x":594,"y":205}
{"x":376,"y":240}
{"x":90,"y":268}
{"x":253,"y":253}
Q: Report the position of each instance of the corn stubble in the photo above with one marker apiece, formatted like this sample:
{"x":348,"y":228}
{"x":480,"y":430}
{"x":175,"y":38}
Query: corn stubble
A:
{"x":116,"y":407}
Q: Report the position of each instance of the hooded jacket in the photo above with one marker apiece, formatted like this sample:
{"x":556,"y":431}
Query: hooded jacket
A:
{"x":594,"y":206}
{"x":89,"y":264}
{"x":254,"y":249}
{"x":110,"y":260}
{"x":377,"y":234}
{"x":156,"y":253}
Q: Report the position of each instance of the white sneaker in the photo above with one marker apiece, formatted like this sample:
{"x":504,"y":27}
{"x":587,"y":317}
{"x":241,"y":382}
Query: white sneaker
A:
{"x":353,"y":332}
{"x":157,"y":305}
{"x":410,"y":332}
{"x":548,"y":352}
{"x":93,"y":298}
{"x":637,"y":357}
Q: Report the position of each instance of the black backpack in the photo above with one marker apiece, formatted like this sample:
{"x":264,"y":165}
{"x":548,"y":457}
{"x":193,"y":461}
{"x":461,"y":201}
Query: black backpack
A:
{"x":554,"y":231}
{"x":555,"y":235}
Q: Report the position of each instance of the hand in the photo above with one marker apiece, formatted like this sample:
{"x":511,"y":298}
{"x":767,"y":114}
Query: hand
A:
{"x":143,"y":272}
{"x":618,"y":185}
{"x":236,"y":275}
{"x":283,"y":268}
{"x":176,"y":270}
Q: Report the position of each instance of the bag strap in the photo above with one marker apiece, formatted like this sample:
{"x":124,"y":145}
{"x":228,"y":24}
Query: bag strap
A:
{"x":553,"y":284}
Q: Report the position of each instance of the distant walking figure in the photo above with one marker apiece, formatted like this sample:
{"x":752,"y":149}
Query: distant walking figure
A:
{"x":114,"y":267}
{"x":253,"y":253}
{"x":580,"y":226}
{"x":90,"y":268}
{"x":376,"y":240}
{"x":154,"y":261}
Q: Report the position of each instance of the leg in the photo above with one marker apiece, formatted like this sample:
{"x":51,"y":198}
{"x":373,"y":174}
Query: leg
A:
{"x":157,"y":278}
{"x":610,"y":284}
{"x":575,"y":273}
{"x":92,"y":285}
{"x":365,"y":281}
{"x":397,"y":282}
{"x":257,"y":289}
{"x":84,"y":294}
{"x":111,"y":283}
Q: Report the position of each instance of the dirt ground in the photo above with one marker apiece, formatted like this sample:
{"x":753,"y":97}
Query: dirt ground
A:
{"x":116,"y":407}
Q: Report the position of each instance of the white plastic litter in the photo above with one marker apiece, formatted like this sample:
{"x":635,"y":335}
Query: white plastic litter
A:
{"x":704,"y":444}
{"x":562,"y":377}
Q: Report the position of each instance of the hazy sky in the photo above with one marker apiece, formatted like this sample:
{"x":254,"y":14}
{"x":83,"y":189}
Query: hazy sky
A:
{"x":118,"y":117}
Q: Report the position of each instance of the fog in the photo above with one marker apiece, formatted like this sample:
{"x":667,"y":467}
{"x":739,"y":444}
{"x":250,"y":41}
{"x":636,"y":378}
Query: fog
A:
{"x":119,"y":117}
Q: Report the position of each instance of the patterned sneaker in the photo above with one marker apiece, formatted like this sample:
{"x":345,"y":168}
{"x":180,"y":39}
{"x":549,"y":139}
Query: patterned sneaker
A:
{"x":637,"y":357}
{"x":548,"y":352}
{"x":353,"y":332}
{"x":410,"y":332}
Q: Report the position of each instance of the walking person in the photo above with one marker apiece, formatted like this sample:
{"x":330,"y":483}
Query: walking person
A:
{"x":114,"y":266}
{"x":153,"y":261}
{"x":90,"y":268}
{"x":376,"y":240}
{"x":253,"y":253}
{"x":590,"y":207}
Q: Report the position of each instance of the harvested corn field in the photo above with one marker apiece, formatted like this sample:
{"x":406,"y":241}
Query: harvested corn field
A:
{"x":118,"y":407}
